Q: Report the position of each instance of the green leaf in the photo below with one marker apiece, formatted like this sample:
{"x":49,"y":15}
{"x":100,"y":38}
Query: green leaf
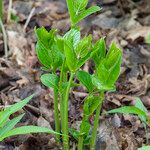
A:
{"x":101,"y":86}
{"x":4,"y":116}
{"x":86,"y":80}
{"x":71,"y":40}
{"x":86,"y":13}
{"x":139,"y":104}
{"x":108,"y":69}
{"x":10,"y":125}
{"x":48,"y":48}
{"x":27,"y":130}
{"x":130,"y":110}
{"x":71,"y":59}
{"x":90,"y":105}
{"x":45,"y":37}
{"x":100,"y":52}
{"x":70,"y":5}
{"x":50,"y":80}
{"x":43,"y":55}
{"x":86,"y":58}
{"x":83,"y":47}
{"x":148,"y":39}
{"x":60,"y":43}
{"x":73,"y":37}
{"x":144,"y":148}
{"x":80,"y":5}
{"x":74,"y":133}
{"x":85,"y":128}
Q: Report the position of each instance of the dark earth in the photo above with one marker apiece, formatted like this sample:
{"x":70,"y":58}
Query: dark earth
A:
{"x":125,"y":22}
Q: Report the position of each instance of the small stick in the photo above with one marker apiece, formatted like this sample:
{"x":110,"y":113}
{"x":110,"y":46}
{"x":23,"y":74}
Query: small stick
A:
{"x":5,"y":38}
{"x":9,"y":11}
{"x":29,"y":18}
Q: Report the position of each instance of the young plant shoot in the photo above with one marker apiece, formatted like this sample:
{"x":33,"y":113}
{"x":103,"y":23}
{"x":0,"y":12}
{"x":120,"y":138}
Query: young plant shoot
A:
{"x":7,"y":127}
{"x":62,"y":57}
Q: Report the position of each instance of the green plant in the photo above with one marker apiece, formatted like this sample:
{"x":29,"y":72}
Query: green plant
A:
{"x":7,"y":126}
{"x":1,"y":9}
{"x":148,"y":39}
{"x":144,"y":148}
{"x":63,"y":57}
{"x":139,"y":109}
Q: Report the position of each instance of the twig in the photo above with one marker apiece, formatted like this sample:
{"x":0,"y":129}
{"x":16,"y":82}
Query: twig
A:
{"x":29,"y":18}
{"x":9,"y":11}
{"x":5,"y":38}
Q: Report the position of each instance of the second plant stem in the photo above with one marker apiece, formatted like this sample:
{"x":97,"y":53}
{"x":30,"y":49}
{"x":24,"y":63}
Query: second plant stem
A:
{"x":65,"y":119}
{"x":56,"y":115}
{"x":1,"y":9}
{"x":96,"y":123}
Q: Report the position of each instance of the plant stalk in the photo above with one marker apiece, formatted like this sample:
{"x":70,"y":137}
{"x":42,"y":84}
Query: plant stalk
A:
{"x":9,"y":11}
{"x":56,"y":115}
{"x":65,"y":132}
{"x":62,"y":79}
{"x":1,"y":9}
{"x":80,"y":142}
{"x":96,"y":123}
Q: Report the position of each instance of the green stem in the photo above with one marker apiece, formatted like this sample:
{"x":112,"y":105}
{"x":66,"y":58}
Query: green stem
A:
{"x":96,"y":123}
{"x":66,"y":137}
{"x":62,"y":74}
{"x":56,"y":115}
{"x":1,"y":9}
{"x":71,"y":10}
{"x":80,"y":142}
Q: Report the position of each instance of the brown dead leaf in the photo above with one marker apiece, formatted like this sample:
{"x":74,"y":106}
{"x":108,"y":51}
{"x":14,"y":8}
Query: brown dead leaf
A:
{"x":138,"y":32}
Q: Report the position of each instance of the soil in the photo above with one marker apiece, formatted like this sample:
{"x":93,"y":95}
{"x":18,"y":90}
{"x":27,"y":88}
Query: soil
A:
{"x":125,"y":22}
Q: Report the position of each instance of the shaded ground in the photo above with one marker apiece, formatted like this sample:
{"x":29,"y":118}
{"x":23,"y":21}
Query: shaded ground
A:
{"x":126,"y":22}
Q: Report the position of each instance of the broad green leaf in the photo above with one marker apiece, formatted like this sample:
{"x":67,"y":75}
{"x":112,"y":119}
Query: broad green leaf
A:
{"x":100,"y":86}
{"x":139,"y":104}
{"x":50,"y":80}
{"x":86,"y":80}
{"x":71,"y":40}
{"x":73,"y":37}
{"x":48,"y":48}
{"x":101,"y":51}
{"x":10,"y":125}
{"x":82,"y":61}
{"x":114,"y":72}
{"x":84,"y":128}
{"x":130,"y":110}
{"x":144,"y":148}
{"x":90,"y":105}
{"x":71,"y":59}
{"x":102,"y":72}
{"x":12,"y":109}
{"x":60,"y":43}
{"x":80,"y":5}
{"x":45,"y":37}
{"x":86,"y":13}
{"x":108,"y":69}
{"x":43,"y":55}
{"x":113,"y":55}
{"x":87,"y":140}
{"x":74,"y":133}
{"x":83,"y":47}
{"x":27,"y":130}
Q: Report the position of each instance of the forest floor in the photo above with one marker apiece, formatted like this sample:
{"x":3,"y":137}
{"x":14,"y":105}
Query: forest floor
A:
{"x":125,"y":22}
